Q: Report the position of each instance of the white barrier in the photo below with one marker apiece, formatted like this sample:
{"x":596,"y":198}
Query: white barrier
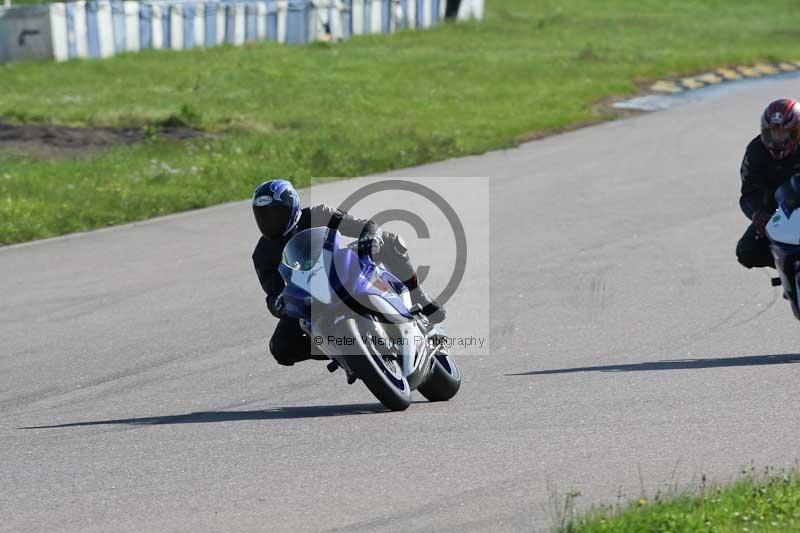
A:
{"x":102,"y":28}
{"x":326,"y":22}
{"x":58,"y":29}
{"x":176,"y":27}
{"x":157,"y":27}
{"x":470,"y":9}
{"x":283,"y":10}
{"x":372,"y":16}
{"x":76,"y":29}
{"x":408,"y":18}
{"x":219,"y":28}
{"x":103,"y":25}
{"x":261,"y":21}
{"x":131,"y":14}
{"x":199,"y":25}
{"x":425,"y":15}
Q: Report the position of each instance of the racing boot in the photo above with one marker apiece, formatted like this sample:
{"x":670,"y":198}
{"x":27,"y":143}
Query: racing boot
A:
{"x":435,"y":312}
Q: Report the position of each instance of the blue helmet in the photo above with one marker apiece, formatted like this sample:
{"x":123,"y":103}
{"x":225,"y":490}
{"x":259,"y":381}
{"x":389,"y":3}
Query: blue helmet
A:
{"x":276,"y":206}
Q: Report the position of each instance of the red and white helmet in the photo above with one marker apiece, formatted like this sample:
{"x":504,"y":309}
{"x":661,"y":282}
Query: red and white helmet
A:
{"x":780,"y":127}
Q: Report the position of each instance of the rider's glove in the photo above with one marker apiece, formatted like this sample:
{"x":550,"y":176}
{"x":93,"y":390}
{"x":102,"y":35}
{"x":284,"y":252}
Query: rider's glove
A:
{"x":369,"y":245}
{"x":760,"y":220}
{"x":395,"y":242}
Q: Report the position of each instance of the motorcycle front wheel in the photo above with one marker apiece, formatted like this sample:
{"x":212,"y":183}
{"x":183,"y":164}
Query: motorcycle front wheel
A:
{"x":382,"y":374}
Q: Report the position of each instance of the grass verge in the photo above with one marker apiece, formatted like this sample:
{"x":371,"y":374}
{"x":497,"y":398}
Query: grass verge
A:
{"x":363,"y":106}
{"x":752,"y":504}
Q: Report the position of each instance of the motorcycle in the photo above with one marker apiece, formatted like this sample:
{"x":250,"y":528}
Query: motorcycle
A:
{"x":783,"y":232}
{"x":360,"y":316}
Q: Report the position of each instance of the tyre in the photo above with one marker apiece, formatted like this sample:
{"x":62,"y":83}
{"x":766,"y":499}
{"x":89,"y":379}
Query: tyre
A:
{"x":382,"y":375}
{"x":795,"y":301}
{"x":444,"y":381}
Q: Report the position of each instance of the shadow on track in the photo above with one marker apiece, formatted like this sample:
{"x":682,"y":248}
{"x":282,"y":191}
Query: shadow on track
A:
{"x":677,"y":364}
{"x":277,"y":413}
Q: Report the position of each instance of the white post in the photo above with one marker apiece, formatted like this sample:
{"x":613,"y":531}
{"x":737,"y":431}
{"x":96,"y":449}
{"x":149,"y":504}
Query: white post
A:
{"x":7,"y":3}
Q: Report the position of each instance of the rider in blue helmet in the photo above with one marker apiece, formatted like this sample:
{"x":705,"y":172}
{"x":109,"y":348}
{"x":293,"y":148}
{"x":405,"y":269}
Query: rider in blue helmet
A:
{"x":276,"y":206}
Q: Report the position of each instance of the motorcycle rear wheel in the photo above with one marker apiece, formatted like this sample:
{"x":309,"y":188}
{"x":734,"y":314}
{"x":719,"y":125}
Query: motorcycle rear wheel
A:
{"x":444,"y":381}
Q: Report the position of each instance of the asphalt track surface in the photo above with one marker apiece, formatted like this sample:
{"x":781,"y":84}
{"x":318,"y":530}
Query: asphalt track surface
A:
{"x":630,"y":353}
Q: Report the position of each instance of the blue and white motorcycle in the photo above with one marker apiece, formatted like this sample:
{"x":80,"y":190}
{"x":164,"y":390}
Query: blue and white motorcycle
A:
{"x":783,"y":231}
{"x":360,"y":315}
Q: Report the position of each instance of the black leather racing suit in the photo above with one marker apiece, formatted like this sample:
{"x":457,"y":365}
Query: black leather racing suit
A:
{"x":289,"y":344}
{"x":761,"y":177}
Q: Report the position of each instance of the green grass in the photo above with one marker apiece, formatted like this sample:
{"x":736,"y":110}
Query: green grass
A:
{"x":751,"y":504}
{"x":367,"y":105}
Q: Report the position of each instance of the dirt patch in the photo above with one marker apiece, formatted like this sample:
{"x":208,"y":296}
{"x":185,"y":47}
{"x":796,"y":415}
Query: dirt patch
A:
{"x":52,"y":141}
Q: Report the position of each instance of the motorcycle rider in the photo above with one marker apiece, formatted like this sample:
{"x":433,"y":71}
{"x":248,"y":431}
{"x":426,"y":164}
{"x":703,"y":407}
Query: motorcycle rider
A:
{"x":276,"y":206}
{"x":769,"y":160}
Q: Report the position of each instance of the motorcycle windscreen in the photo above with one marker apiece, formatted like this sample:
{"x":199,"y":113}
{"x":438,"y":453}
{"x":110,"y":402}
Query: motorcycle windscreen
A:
{"x":304,"y":257}
{"x":346,"y":275}
{"x":788,"y":198}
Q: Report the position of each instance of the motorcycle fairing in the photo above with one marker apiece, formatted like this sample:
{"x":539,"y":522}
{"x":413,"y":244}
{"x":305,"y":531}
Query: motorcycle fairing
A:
{"x":783,"y":231}
{"x":783,"y":228}
{"x":360,"y":279}
{"x":786,"y":259}
{"x":336,"y":275}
